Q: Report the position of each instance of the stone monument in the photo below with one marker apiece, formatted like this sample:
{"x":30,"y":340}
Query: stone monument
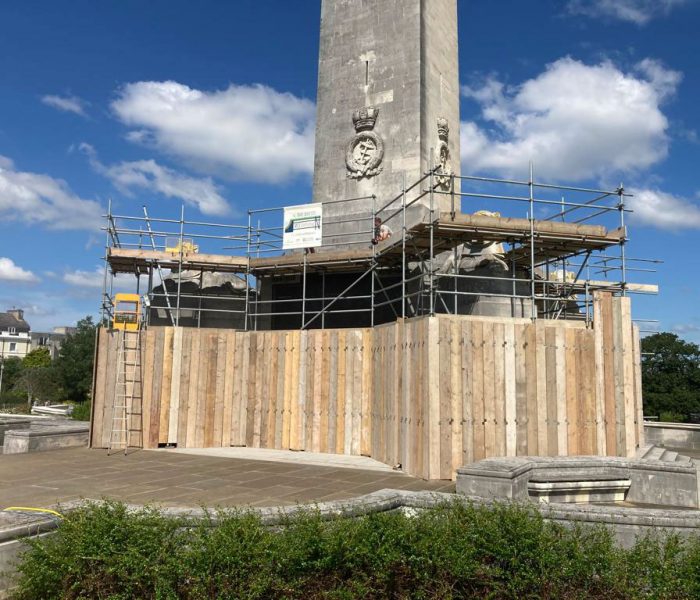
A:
{"x":387,"y":106}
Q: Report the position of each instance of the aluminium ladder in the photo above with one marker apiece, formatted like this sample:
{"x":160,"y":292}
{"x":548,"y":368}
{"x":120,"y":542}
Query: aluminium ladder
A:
{"x":126,"y":415}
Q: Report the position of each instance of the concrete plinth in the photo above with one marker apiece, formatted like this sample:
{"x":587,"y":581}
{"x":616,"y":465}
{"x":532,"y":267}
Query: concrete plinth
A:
{"x":46,"y":437}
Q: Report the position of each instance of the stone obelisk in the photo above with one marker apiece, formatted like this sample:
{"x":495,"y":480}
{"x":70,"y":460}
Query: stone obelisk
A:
{"x":387,"y":105}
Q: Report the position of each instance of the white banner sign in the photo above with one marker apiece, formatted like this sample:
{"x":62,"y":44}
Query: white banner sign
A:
{"x":302,"y":226}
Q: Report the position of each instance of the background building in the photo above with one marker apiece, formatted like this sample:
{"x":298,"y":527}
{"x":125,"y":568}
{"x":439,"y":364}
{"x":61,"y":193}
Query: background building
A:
{"x":14,"y":334}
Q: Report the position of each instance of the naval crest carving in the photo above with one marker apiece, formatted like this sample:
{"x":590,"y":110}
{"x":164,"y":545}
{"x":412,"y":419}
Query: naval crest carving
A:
{"x":366,"y":150}
{"x":444,"y":170}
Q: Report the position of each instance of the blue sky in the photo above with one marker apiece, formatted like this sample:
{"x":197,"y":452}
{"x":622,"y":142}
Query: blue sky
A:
{"x":212,"y":104}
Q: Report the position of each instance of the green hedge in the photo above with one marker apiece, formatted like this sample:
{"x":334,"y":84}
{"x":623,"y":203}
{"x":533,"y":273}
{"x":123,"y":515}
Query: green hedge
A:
{"x":455,"y":551}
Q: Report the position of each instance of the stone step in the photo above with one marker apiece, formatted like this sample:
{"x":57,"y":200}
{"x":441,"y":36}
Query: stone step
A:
{"x":654,"y":453}
{"x":669,"y":456}
{"x":683,"y":459}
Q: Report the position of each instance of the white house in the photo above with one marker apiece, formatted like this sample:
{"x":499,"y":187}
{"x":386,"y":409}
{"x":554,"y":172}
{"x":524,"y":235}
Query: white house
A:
{"x":15,"y":339}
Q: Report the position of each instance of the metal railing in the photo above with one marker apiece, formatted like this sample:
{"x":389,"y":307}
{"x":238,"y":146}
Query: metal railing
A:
{"x":427,"y":281}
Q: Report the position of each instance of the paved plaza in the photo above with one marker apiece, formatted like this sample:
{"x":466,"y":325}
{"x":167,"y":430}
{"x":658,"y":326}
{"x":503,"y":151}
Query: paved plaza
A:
{"x":172,"y":478}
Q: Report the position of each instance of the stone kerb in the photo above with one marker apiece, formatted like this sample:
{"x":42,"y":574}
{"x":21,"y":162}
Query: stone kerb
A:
{"x":45,"y":437}
{"x":12,"y":423}
{"x":521,"y":478}
{"x":674,"y":435}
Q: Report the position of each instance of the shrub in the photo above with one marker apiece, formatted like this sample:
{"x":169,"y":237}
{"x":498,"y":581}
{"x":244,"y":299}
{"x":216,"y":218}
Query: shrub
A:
{"x":81,"y":411}
{"x":453,"y":551}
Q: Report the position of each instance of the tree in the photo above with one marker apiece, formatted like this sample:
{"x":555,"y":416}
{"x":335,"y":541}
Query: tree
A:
{"x":38,"y":379}
{"x":12,"y":371}
{"x":37,"y":358}
{"x":670,"y":375}
{"x":75,"y":361}
{"x":41,"y":383}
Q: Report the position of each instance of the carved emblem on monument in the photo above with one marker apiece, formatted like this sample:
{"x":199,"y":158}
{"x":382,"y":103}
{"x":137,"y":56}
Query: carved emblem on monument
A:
{"x":366,"y":150}
{"x":442,"y":155}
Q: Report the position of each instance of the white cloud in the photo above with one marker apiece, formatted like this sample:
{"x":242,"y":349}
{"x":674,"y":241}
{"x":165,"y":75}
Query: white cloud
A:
{"x":9,"y":271}
{"x":574,"y":121}
{"x":71,"y":104}
{"x":149,"y":175}
{"x":85,"y":279}
{"x":39,"y":199}
{"x":639,"y":12}
{"x":663,"y":210}
{"x":686,"y":328}
{"x":250,"y":133}
{"x":93,"y":280}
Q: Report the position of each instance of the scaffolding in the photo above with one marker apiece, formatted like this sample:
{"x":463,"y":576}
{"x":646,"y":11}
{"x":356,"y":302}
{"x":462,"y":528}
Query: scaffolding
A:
{"x":553,"y":246}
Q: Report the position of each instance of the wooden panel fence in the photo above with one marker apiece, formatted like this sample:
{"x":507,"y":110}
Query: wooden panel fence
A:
{"x":431,"y":393}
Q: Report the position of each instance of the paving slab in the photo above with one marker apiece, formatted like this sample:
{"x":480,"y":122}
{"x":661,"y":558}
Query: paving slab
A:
{"x":182,"y":479}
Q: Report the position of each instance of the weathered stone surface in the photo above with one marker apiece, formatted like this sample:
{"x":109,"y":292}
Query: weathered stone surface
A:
{"x":674,"y":435}
{"x":9,"y":423}
{"x":655,"y":482}
{"x":46,"y":437}
{"x":388,"y":71}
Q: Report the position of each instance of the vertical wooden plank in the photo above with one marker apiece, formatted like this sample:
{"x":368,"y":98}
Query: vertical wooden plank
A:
{"x":324,"y":396}
{"x":340,"y":410}
{"x":572,"y":414}
{"x":318,"y":387}
{"x":174,"y":401}
{"x":499,"y":388}
{"x":219,"y":390}
{"x":297,"y":367}
{"x":407,"y":368}
{"x":445,"y":392}
{"x":560,"y":369}
{"x":399,"y":359}
{"x":358,"y":396}
{"x":308,"y":406}
{"x":541,"y":388}
{"x":331,"y":429}
{"x":366,"y":412}
{"x":300,"y":374}
{"x":274,"y":400}
{"x":184,"y":384}
{"x":290,"y":430}
{"x":258,"y":389}
{"x":193,"y":396}
{"x":531,"y":378}
{"x":521,"y":389}
{"x":167,"y":370}
{"x":467,"y":365}
{"x":238,"y":410}
{"x":599,"y":359}
{"x":251,"y":392}
{"x":619,"y":379}
{"x":551,"y":390}
{"x":478,"y":438}
{"x":263,"y":399}
{"x":637,"y":357}
{"x":283,"y":406}
{"x":609,"y":373}
{"x":456,"y":415}
{"x":229,"y":375}
{"x":434,"y":397}
{"x":489,"y":390}
{"x":423,"y":403}
{"x":510,"y":387}
{"x":158,"y":367}
{"x":100,"y":394}
{"x":349,"y":391}
{"x":210,"y":389}
{"x":628,"y":358}
{"x":588,"y":388}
